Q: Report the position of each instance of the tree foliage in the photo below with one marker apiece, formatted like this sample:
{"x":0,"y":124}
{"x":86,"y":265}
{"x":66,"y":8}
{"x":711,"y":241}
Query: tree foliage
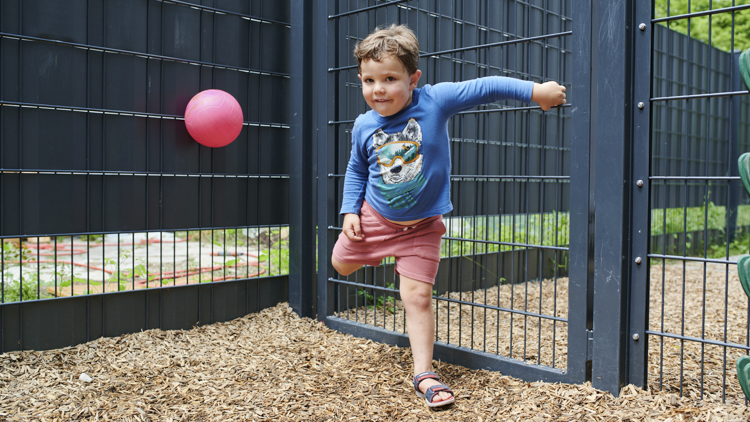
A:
{"x":719,"y":25}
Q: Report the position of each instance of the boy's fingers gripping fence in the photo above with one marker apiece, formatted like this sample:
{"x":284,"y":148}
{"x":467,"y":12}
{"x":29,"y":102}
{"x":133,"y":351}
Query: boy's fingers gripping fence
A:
{"x":745,"y":68}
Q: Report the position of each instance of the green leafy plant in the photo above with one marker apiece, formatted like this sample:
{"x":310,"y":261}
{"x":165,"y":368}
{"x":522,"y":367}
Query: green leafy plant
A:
{"x":277,"y":253}
{"x":382,"y":302}
{"x":24,"y":286}
{"x":17,"y":284}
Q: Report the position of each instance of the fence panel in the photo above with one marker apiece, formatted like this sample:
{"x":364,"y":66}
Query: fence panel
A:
{"x":102,"y":190}
{"x":502,"y":292}
{"x":696,"y":312}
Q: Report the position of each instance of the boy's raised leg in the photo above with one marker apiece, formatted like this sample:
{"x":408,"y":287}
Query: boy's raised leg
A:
{"x":420,"y":322}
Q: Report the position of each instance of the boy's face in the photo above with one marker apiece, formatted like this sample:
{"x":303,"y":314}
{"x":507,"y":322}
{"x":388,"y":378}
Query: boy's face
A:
{"x":386,"y":85}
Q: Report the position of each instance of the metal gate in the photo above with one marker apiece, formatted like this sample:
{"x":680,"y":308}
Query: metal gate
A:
{"x":502,"y":297}
{"x":690,"y":213}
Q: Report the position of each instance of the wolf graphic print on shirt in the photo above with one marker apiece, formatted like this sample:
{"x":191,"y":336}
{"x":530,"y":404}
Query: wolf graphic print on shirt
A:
{"x":400,"y":160}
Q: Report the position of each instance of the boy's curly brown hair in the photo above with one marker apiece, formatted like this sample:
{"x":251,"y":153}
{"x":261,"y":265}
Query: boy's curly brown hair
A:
{"x":397,"y":40}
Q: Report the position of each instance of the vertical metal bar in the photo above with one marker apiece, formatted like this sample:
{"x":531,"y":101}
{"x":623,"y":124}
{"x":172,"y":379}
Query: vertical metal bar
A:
{"x":612,"y":132}
{"x":325,"y":49}
{"x":641,"y":188}
{"x":301,"y":220}
{"x":582,"y":183}
{"x":542,"y":172}
{"x":513,"y":31}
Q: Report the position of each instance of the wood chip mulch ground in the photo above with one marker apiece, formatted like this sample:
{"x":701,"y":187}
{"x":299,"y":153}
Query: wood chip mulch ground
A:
{"x":275,"y":366}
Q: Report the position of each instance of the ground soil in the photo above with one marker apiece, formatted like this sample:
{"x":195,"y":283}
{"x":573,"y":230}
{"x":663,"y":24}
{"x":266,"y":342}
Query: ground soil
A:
{"x":275,"y":366}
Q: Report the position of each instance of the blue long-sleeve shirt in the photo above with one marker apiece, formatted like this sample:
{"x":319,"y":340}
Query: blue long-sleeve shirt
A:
{"x":401,"y":163}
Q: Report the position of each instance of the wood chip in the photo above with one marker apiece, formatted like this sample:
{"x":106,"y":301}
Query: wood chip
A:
{"x":275,"y":366}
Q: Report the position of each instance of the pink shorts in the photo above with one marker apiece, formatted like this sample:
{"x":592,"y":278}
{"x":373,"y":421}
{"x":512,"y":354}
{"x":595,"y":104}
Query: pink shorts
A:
{"x":416,"y":248}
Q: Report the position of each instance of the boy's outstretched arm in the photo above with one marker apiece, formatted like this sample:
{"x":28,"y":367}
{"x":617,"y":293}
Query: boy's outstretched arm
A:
{"x":351,"y":227}
{"x":548,"y":94}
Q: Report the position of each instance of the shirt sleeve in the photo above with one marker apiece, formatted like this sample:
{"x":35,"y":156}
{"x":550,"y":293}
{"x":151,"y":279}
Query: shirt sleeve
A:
{"x":356,"y":175}
{"x":459,"y":96}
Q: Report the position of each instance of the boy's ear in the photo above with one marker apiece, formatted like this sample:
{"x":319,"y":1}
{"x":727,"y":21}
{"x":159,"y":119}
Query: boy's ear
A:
{"x":414,"y":79}
{"x":359,"y":75}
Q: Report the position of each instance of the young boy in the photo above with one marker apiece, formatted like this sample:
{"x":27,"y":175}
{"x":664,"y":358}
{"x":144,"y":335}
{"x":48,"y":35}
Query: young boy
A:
{"x":397,"y":184}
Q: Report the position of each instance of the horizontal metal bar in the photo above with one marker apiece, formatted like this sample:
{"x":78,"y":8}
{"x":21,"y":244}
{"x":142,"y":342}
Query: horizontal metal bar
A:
{"x":475,"y":47}
{"x":520,"y":245}
{"x":692,"y":258}
{"x":363,"y":286}
{"x":473,"y":359}
{"x":501,"y":176}
{"x":58,"y":107}
{"x":434,"y":14}
{"x":340,"y":122}
{"x":448,"y":299}
{"x":142,"y":55}
{"x":478,"y":178}
{"x":155,"y":286}
{"x":504,"y":110}
{"x":696,"y":96}
{"x":703,"y":13}
{"x":699,"y":340}
{"x":226,"y":12}
{"x":491,"y":242}
{"x":73,"y":234}
{"x":500,"y":43}
{"x":497,"y":308}
{"x":366,"y":9}
{"x":698,"y":178}
{"x":141,"y":173}
{"x":488,"y":111}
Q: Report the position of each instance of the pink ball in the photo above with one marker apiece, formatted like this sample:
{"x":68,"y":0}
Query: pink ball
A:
{"x":213,"y":118}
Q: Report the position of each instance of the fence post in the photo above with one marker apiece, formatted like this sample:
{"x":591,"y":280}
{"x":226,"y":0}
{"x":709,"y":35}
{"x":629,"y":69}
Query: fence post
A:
{"x":581,"y":258}
{"x":640,"y":191}
{"x":325,"y":44}
{"x":302,"y":177}
{"x":611,"y":133}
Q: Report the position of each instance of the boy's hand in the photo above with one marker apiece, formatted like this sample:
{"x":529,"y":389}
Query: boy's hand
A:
{"x":351,"y":227}
{"x":548,"y":94}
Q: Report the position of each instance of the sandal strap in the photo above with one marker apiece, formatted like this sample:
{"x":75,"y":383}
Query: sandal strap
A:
{"x":430,"y":393}
{"x":424,"y":376}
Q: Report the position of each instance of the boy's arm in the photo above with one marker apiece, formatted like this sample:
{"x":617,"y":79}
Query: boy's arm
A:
{"x":354,"y":188}
{"x":460,"y":96}
{"x":548,"y":94}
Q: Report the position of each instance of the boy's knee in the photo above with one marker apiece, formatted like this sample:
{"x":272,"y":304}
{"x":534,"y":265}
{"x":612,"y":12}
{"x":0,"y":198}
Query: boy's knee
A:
{"x":418,"y":298}
{"x":344,"y":269}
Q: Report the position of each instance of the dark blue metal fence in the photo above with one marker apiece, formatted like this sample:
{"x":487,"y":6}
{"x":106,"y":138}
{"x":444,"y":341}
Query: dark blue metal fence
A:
{"x":583,"y":240}
{"x":688,"y":310}
{"x":502,"y":292}
{"x":102,"y":190}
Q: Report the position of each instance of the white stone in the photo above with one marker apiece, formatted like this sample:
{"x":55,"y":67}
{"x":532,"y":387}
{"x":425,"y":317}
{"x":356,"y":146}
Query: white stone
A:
{"x":85,"y":378}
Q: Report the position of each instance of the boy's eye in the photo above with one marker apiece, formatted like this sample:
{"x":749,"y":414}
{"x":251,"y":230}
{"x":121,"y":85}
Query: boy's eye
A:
{"x":390,"y":79}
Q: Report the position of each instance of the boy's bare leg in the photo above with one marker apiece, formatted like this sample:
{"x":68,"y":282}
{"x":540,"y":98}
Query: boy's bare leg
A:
{"x":344,"y":269}
{"x":420,"y":322}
